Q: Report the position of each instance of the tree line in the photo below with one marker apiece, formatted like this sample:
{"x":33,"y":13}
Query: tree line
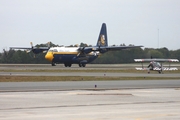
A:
{"x":111,"y":57}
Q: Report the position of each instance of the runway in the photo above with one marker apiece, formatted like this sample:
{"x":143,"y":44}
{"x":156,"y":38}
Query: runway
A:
{"x":127,"y":104}
{"x":81,"y":100}
{"x":87,"y":85}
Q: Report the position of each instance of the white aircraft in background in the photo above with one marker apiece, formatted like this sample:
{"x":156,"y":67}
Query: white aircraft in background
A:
{"x":82,"y":55}
{"x":156,"y":64}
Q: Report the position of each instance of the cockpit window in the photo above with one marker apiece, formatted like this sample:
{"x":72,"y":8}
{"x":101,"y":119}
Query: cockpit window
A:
{"x":55,"y":50}
{"x":157,"y":64}
{"x":52,"y":50}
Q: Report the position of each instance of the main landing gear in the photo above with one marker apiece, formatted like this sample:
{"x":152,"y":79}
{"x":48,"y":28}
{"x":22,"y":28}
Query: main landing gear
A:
{"x":82,"y":65}
{"x":160,"y":72}
{"x":67,"y":64}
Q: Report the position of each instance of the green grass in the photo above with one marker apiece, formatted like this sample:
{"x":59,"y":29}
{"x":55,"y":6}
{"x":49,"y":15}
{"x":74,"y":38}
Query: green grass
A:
{"x":85,"y":70}
{"x":74,"y":78}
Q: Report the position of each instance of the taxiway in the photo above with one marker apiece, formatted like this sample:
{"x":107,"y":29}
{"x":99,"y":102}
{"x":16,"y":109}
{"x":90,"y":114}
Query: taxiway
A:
{"x":81,"y":100}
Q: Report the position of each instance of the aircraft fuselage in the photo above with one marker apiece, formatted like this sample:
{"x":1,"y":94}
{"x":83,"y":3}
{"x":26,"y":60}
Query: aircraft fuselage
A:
{"x":70,"y":55}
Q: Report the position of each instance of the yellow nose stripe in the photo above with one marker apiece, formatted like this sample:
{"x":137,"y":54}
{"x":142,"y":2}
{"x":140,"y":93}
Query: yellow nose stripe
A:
{"x":49,"y":56}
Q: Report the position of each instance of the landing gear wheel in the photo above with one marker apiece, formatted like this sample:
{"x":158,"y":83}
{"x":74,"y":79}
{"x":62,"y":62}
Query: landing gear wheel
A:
{"x":80,"y":65}
{"x":53,"y":64}
{"x":84,"y":65}
{"x":67,"y":64}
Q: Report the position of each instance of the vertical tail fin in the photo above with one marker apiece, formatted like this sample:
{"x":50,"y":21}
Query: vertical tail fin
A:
{"x":102,"y":39}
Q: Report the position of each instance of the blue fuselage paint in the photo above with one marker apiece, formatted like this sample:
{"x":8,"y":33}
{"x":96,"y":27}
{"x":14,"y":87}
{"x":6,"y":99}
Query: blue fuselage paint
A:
{"x":72,"y":58}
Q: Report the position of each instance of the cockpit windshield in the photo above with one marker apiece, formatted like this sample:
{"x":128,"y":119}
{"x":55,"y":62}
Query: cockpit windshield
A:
{"x":52,"y":50}
{"x":55,"y":50}
{"x":156,"y":64}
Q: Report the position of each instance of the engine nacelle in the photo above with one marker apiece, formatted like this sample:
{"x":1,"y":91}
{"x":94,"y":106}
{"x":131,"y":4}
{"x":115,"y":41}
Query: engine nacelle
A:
{"x":80,"y":59}
{"x":84,"y":62}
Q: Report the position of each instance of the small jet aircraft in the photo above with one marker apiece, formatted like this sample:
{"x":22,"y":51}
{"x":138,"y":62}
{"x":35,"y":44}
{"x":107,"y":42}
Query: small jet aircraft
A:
{"x":34,"y":49}
{"x":82,"y":55}
{"x":156,"y":64}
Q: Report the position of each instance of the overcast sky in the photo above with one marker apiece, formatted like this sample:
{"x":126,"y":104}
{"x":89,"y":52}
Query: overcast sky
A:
{"x":70,"y":22}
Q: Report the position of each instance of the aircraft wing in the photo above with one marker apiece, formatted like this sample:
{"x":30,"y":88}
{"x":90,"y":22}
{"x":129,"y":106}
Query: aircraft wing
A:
{"x":107,"y":48}
{"x":157,"y":60}
{"x":116,"y":47}
{"x":142,"y":68}
{"x":157,"y":69}
{"x":35,"y":50}
{"x":26,"y":48}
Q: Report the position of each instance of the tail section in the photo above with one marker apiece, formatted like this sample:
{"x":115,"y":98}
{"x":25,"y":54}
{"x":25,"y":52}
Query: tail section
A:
{"x":102,"y":39}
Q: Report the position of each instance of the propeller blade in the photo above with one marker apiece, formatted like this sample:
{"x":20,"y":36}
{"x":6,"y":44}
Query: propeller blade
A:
{"x":44,"y":51}
{"x":48,"y":44}
{"x":28,"y":51}
{"x":31,"y":44}
{"x":81,"y":51}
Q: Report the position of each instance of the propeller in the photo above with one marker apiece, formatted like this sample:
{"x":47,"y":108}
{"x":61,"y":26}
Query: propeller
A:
{"x":48,"y":44}
{"x":81,"y":51}
{"x":5,"y":52}
{"x":31,"y":44}
{"x":28,"y":51}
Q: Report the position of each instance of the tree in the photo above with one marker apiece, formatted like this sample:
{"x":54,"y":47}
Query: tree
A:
{"x":111,"y":57}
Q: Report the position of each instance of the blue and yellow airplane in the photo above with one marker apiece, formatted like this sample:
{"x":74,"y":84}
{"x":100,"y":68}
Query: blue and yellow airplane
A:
{"x":78,"y":55}
{"x":82,"y":55}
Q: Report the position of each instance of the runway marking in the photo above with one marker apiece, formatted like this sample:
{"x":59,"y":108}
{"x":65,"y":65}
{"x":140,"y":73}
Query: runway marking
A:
{"x":105,"y":94}
{"x":63,"y":106}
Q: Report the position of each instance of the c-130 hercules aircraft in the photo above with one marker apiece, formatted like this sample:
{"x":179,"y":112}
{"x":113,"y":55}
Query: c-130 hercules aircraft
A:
{"x":80,"y":55}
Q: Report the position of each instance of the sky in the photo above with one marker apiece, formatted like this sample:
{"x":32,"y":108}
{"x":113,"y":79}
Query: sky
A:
{"x":151,"y":23}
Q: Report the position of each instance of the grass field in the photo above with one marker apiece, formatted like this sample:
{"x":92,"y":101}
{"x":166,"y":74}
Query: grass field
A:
{"x":107,"y":69}
{"x":83,"y":70}
{"x":74,"y":78}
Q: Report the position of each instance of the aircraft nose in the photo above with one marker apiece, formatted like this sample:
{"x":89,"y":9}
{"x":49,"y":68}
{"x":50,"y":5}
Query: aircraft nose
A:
{"x":49,"y":56}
